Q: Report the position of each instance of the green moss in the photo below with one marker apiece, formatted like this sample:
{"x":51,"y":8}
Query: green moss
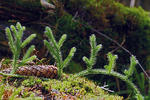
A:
{"x":79,"y":87}
{"x":31,"y":82}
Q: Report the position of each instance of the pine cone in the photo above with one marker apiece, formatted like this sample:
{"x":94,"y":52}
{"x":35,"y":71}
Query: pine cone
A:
{"x":47,"y":71}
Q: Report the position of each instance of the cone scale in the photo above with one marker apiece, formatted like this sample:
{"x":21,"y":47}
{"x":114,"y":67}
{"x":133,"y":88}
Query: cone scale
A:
{"x":46,"y":71}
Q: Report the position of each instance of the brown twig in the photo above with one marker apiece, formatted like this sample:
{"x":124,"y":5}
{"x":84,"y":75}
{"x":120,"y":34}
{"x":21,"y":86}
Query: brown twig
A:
{"x":123,"y":41}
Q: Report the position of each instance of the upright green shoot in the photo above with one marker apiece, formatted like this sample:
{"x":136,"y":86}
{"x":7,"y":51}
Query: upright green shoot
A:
{"x":14,"y":35}
{"x":55,"y":50}
{"x":112,"y":61}
{"x":133,"y":63}
{"x":94,"y":51}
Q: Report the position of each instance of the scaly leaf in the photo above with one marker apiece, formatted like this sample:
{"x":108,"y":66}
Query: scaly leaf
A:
{"x":28,"y":52}
{"x":69,"y":57}
{"x":112,"y":61}
{"x":49,"y":33}
{"x":133,"y":63}
{"x":30,"y":59}
{"x":11,"y":40}
{"x":13,"y":29}
{"x":87,"y":61}
{"x":94,"y":51}
{"x":20,"y":29}
{"x":50,"y":48}
{"x":28,"y":40}
{"x":62,"y":40}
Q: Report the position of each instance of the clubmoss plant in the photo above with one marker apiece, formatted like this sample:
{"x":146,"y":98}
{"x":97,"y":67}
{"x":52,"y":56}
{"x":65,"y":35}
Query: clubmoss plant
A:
{"x":131,"y":69}
{"x":112,"y":60}
{"x":54,"y":48}
{"x":14,"y":35}
{"x":109,"y":68}
{"x":94,"y":50}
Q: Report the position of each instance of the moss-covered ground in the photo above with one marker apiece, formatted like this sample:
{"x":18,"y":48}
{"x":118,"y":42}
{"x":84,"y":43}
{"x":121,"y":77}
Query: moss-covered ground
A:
{"x":66,"y":88}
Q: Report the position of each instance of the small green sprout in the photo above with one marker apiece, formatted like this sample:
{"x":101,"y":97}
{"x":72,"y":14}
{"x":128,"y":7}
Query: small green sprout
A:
{"x":54,"y":49}
{"x":94,"y":51}
{"x":14,"y":35}
{"x":133,"y":63}
{"x":112,"y":61}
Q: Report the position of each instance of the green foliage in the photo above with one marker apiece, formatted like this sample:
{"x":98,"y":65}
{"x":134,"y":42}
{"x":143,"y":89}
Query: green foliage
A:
{"x":133,"y":63}
{"x":74,"y":31}
{"x":94,"y":51}
{"x":16,"y":44}
{"x":112,"y":62}
{"x":141,"y":81}
{"x":109,"y":70}
{"x":14,"y":35}
{"x":54,"y":49}
{"x":143,"y":84}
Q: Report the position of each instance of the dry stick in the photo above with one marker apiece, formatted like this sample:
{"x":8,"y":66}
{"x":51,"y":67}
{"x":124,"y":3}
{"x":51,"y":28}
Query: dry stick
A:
{"x":117,"y":80}
{"x":122,"y":43}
